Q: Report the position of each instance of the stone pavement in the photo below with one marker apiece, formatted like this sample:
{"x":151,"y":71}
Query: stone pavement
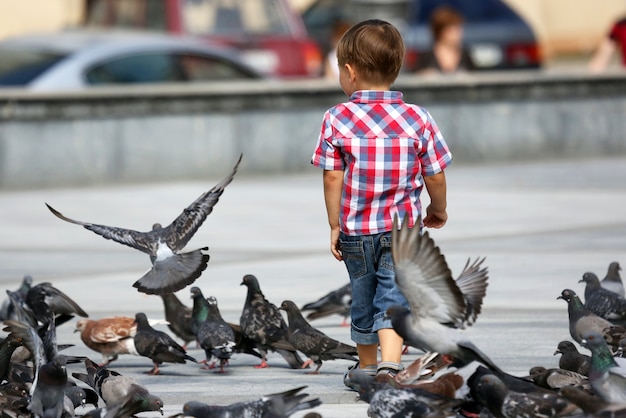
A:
{"x":541,"y":226}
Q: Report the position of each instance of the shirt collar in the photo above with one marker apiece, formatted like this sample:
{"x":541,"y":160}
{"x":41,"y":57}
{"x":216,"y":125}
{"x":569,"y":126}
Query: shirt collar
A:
{"x":369,"y":96}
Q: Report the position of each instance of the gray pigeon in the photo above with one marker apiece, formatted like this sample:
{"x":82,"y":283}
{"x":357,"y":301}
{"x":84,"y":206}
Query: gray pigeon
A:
{"x":262,"y":323}
{"x":171,"y":270}
{"x":555,"y":378}
{"x":612,"y":281}
{"x":178,"y":317}
{"x":571,"y":359}
{"x":7,"y":311}
{"x":602,"y":302}
{"x":503,"y":402}
{"x":214,"y":335}
{"x":157,"y":345}
{"x":591,"y":404}
{"x":312,"y":342}
{"x":581,"y":320}
{"x":439,"y":304}
{"x":607,"y":379}
{"x":390,"y":402}
{"x":278,"y":405}
{"x":336,"y":302}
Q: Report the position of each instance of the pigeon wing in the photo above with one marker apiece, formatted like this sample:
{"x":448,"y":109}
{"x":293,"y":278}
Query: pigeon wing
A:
{"x":59,"y":302}
{"x":180,"y":231}
{"x":472,"y":283}
{"x":423,"y":276}
{"x":141,"y":241}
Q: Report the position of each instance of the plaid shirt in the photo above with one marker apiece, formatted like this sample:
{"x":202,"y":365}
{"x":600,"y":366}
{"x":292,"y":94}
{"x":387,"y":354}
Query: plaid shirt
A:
{"x":384,"y":146}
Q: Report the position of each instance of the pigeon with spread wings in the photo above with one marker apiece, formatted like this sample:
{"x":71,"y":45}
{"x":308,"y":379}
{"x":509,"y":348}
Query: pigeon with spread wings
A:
{"x":171,"y":270}
{"x":439,"y":304}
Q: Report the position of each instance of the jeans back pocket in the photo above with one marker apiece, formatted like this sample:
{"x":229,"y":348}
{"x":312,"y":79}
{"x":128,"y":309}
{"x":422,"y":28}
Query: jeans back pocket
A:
{"x":354,"y":258}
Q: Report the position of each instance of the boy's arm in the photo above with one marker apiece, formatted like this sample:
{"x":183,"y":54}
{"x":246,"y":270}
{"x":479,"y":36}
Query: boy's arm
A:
{"x":333,"y":187}
{"x":436,"y":215}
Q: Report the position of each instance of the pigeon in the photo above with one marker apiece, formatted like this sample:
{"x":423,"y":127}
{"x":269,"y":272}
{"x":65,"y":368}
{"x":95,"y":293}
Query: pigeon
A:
{"x":108,"y":336}
{"x":555,"y":378}
{"x":393,"y":402}
{"x":493,"y":394}
{"x":80,"y":396}
{"x":262,"y":323}
{"x":425,"y":365}
{"x":591,"y":404}
{"x":7,"y":311}
{"x":215,"y":336}
{"x":581,"y":319}
{"x":277,"y":405}
{"x":439,"y":304}
{"x":313,"y":343}
{"x":171,"y":270}
{"x":178,"y":317}
{"x":157,"y":345}
{"x":602,"y":302}
{"x":571,"y":359}
{"x":244,"y":344}
{"x":7,"y":347}
{"x":607,"y":379}
{"x":336,"y":302}
{"x":612,"y":281}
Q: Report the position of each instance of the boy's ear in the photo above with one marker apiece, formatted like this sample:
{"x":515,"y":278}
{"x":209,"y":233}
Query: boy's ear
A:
{"x":351,"y":72}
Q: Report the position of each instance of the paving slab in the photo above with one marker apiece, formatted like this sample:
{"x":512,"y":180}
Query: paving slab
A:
{"x":541,"y":225}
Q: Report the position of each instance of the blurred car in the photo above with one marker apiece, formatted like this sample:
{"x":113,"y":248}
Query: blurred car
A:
{"x":496,"y":37}
{"x":271,"y":36}
{"x":75,"y":60}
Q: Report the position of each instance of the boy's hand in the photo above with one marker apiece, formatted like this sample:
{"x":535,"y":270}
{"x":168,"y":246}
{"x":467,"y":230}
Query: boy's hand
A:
{"x":334,"y":244}
{"x":435,"y":218}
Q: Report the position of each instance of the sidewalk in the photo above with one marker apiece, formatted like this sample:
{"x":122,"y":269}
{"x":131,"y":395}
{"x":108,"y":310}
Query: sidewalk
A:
{"x":541,"y":226}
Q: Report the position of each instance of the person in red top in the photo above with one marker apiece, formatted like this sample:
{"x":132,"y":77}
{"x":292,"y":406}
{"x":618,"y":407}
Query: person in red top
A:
{"x":616,"y":39}
{"x":377,"y":152}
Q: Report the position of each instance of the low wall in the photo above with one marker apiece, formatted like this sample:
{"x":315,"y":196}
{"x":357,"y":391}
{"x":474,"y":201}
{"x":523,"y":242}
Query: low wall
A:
{"x":164,"y":133}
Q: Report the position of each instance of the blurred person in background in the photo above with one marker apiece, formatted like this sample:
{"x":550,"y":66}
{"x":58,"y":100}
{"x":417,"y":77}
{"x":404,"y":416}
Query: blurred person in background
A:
{"x":331,"y":67}
{"x":616,"y":39}
{"x":447,"y":54}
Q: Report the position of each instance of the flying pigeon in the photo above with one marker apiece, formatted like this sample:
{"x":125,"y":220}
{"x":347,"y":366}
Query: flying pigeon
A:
{"x":607,"y":379}
{"x":215,"y":336}
{"x":600,"y":301}
{"x":109,"y":336}
{"x":503,"y":402}
{"x":336,"y":302}
{"x":581,"y":320}
{"x":262,"y":323}
{"x":612,"y":281}
{"x":282,"y":404}
{"x":313,"y":343}
{"x":439,"y":304}
{"x":171,"y":270}
{"x":178,"y":317}
{"x":7,"y":311}
{"x":571,"y":359}
{"x":157,"y":345}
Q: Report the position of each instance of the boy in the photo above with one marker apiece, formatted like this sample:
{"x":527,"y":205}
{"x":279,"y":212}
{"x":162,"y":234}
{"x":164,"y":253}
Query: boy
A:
{"x":377,"y":152}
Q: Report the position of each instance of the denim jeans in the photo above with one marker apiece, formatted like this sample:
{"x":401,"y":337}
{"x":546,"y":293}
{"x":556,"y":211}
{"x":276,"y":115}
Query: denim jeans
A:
{"x":370,"y":267}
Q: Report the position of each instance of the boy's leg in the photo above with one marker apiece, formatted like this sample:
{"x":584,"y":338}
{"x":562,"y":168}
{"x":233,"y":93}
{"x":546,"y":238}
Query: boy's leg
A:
{"x":368,"y":354}
{"x":390,"y":345}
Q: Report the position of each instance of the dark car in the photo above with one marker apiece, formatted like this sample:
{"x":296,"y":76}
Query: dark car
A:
{"x":494,"y":34}
{"x":271,"y":36}
{"x":78,"y":59}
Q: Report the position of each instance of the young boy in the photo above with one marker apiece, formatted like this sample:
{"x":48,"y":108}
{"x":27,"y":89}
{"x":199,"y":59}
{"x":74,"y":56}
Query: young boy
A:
{"x":377,"y":153}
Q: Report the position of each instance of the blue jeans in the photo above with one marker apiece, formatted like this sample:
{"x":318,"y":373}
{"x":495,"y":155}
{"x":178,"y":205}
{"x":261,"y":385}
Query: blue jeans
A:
{"x":370,"y":267}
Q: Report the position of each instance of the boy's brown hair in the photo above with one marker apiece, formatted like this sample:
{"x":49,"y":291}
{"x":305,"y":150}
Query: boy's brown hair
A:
{"x":374,"y":48}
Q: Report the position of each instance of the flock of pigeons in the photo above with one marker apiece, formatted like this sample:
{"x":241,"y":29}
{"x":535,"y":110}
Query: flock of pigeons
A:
{"x":453,"y":378}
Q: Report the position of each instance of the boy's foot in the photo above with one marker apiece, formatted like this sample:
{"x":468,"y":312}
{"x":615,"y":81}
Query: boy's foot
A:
{"x":350,"y":383}
{"x":387,"y":370}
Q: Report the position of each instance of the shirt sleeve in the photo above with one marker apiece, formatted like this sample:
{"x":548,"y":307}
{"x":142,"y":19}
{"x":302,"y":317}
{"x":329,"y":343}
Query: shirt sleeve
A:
{"x":617,"y":31}
{"x":326,"y":155}
{"x":436,"y":156}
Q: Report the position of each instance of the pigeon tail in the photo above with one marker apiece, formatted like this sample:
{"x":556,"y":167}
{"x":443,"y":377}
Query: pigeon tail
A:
{"x":470,"y":352}
{"x":291,"y":357}
{"x":173,"y":273}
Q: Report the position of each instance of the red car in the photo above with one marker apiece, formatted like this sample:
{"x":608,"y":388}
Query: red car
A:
{"x":271,"y":36}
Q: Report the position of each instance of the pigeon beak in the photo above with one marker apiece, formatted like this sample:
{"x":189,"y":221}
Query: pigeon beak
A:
{"x":559,"y":297}
{"x":557,"y":352}
{"x":161,"y":411}
{"x":76,"y":330}
{"x":580,"y":281}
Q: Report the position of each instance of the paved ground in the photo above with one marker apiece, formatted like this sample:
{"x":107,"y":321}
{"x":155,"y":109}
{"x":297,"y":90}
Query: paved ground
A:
{"x":541,"y":226}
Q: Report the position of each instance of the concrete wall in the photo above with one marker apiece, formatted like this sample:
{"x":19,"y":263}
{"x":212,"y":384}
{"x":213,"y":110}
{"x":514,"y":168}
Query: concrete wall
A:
{"x":173,"y":133}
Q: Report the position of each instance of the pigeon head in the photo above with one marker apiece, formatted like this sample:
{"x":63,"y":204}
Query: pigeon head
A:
{"x":212,"y":300}
{"x":157,"y":226}
{"x":195,"y":292}
{"x":565,"y":347}
{"x":251,"y":282}
{"x":592,"y":338}
{"x":288,"y":306}
{"x":567,"y":295}
{"x":141,"y":318}
{"x":196,"y":409}
{"x":590,"y":279}
{"x":614,"y":268}
{"x":492,"y":391}
{"x":81,"y":324}
{"x":396,"y":312}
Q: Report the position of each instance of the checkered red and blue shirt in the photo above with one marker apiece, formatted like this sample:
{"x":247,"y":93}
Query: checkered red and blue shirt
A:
{"x":384,"y":146}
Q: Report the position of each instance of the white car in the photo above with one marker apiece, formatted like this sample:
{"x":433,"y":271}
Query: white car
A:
{"x":79,"y":59}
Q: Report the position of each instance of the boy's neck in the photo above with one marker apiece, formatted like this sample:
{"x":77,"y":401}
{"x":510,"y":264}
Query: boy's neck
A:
{"x":372,"y":86}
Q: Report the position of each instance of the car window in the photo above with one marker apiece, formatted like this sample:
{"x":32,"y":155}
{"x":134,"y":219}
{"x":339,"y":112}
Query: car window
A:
{"x":148,"y":14}
{"x":146,"y":68}
{"x":472,"y":11}
{"x":19,"y":67}
{"x":154,"y":68}
{"x":227,"y":17}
